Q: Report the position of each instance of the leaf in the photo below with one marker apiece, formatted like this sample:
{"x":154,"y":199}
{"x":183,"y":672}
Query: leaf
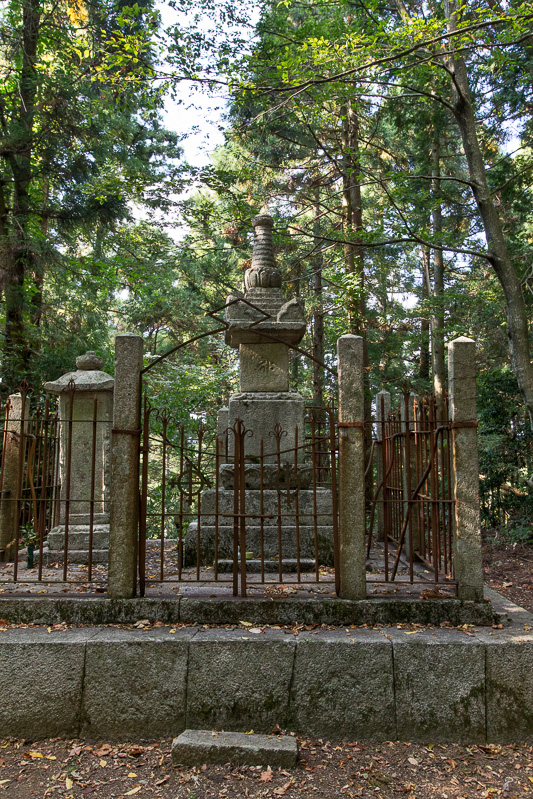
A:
{"x":103,"y":763}
{"x":132,"y":774}
{"x":35,"y":754}
{"x":135,"y":790}
{"x":282,"y":789}
{"x":246,"y":623}
{"x":266,"y":776}
{"x":412,"y":761}
{"x":68,"y":783}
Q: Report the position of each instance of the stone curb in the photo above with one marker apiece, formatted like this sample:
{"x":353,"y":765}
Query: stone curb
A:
{"x":195,"y":747}
{"x":351,"y":684}
{"x":334,"y":611}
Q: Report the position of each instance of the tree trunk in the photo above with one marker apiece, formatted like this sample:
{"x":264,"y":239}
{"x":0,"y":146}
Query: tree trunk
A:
{"x":16,"y":347}
{"x":423,"y":364}
{"x":437,"y":317}
{"x":517,"y":324}
{"x":318,"y":309}
{"x":354,"y":256}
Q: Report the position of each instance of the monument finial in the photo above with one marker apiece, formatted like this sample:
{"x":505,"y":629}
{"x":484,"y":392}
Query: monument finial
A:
{"x":263,"y":272}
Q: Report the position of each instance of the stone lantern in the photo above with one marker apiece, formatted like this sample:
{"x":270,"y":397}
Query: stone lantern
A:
{"x":85,"y":413}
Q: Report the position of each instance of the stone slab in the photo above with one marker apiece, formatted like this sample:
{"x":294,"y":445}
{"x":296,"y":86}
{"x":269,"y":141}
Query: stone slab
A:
{"x":260,"y":412}
{"x":196,"y":747}
{"x":239,"y":681}
{"x":253,"y":566}
{"x":264,"y":367}
{"x":440,"y":685}
{"x":41,"y":675}
{"x":131,"y":675}
{"x":343,"y":686}
{"x":509,"y":667}
{"x":271,"y":546}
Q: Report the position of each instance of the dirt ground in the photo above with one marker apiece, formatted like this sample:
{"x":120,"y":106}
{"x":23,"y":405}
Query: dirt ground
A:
{"x":71,"y":769}
{"x":509,"y":571}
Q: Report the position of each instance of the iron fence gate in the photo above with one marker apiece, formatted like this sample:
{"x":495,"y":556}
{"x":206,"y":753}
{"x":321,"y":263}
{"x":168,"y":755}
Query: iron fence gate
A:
{"x":412,"y":507}
{"x":210,"y":512}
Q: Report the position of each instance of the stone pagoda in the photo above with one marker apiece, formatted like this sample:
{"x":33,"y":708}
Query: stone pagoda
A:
{"x":263,"y":325}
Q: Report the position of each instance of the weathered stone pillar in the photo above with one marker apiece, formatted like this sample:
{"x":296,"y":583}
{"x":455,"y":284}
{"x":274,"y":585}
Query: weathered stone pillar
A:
{"x":352,"y":528}
{"x":383,"y":406}
{"x":465,"y":467}
{"x":124,"y":501}
{"x":9,"y":520}
{"x":90,"y":436}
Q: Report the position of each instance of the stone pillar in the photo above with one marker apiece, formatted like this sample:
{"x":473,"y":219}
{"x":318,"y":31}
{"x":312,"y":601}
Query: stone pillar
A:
{"x":409,"y":470}
{"x":352,"y":527}
{"x":9,"y":520}
{"x":124,"y":505}
{"x":465,"y":468}
{"x":78,"y":391}
{"x":382,"y":413}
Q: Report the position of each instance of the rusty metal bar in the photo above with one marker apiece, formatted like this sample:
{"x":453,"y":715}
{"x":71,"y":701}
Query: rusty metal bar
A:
{"x":145,"y":449}
{"x":93,"y":483}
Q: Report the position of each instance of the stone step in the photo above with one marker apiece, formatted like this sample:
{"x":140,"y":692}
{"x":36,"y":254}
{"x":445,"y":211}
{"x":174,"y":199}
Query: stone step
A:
{"x":78,"y":539}
{"x":75,"y":556}
{"x":196,"y":747}
{"x":253,"y":566}
{"x":306,"y":500}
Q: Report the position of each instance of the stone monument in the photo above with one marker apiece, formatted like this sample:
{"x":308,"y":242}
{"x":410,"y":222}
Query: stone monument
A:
{"x":85,"y":413}
{"x":262,"y":325}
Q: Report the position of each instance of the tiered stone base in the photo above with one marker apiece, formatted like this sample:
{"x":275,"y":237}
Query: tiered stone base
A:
{"x":78,"y":544}
{"x":269,"y":532}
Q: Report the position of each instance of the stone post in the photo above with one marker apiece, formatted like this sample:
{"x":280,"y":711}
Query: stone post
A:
{"x":465,"y":467}
{"x":124,"y":501}
{"x":383,"y":397}
{"x":352,"y":515}
{"x":9,"y":520}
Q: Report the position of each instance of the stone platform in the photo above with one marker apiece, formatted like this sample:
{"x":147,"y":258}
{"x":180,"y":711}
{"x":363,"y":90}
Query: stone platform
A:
{"x":426,"y":685}
{"x":306,"y":516}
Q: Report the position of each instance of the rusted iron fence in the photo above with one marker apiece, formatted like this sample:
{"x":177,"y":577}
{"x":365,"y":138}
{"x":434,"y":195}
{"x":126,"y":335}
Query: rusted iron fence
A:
{"x":53,"y":491}
{"x":212,"y":512}
{"x":411,"y":513}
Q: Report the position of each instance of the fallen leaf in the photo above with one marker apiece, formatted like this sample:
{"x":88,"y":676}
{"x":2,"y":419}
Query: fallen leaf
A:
{"x":266,"y":776}
{"x":132,"y":774}
{"x":103,"y":763}
{"x":246,"y":623}
{"x":105,"y":749}
{"x":282,"y":789}
{"x":35,"y":754}
{"x":412,"y":761}
{"x":135,"y":790}
{"x":68,"y":783}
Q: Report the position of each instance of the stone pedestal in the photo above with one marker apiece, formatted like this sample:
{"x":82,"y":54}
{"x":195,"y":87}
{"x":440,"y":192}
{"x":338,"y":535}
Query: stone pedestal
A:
{"x":85,"y":412}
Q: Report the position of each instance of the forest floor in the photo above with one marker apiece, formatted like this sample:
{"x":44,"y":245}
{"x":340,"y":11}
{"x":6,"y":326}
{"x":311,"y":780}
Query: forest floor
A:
{"x":71,"y":769}
{"x":509,"y":571}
